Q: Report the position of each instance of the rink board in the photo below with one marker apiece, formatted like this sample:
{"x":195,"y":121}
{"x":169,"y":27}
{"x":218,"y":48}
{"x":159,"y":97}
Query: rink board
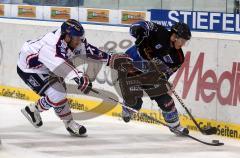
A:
{"x":208,"y":81}
{"x":224,"y":129}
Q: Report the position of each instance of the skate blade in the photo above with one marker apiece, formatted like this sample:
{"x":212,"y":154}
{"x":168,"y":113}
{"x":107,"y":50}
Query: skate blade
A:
{"x":29,"y":118}
{"x":178,"y":134}
{"x":77,"y":135}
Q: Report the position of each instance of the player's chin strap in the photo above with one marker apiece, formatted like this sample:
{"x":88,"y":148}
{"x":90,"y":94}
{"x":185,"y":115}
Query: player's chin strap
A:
{"x":213,"y":143}
{"x":206,"y":130}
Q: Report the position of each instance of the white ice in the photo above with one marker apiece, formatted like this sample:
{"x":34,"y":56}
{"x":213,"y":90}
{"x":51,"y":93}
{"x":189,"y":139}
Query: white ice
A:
{"x":108,"y":137}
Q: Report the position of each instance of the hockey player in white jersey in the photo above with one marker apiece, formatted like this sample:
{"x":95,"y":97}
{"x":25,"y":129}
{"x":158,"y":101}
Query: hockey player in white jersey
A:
{"x":51,"y":54}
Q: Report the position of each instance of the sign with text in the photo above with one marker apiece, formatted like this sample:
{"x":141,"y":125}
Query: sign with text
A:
{"x":132,"y":17}
{"x":199,"y":21}
{"x":60,"y":13}
{"x":98,"y":15}
{"x":27,"y":11}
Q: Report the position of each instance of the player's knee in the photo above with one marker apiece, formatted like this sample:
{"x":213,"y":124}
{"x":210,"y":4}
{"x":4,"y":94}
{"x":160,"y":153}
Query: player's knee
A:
{"x":53,"y":98}
{"x":138,"y":104}
{"x":56,"y":96}
{"x":46,"y":102}
{"x":56,"y":99}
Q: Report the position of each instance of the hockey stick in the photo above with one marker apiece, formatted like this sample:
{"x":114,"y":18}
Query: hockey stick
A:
{"x":213,"y":143}
{"x":206,"y":130}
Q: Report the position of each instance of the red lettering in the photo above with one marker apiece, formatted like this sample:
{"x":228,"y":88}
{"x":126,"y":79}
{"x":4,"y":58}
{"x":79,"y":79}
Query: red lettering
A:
{"x":208,"y":82}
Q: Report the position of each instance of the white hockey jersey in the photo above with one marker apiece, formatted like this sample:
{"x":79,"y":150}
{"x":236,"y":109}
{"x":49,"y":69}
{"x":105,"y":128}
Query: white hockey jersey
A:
{"x":47,"y":53}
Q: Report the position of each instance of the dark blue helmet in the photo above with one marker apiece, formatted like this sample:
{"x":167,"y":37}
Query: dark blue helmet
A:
{"x":182,"y":30}
{"x":72,"y":27}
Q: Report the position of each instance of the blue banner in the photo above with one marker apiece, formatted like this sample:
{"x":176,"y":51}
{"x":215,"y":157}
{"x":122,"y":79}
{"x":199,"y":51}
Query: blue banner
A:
{"x":198,"y":21}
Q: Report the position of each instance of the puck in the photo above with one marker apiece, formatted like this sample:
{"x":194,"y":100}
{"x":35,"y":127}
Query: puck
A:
{"x":215,"y":141}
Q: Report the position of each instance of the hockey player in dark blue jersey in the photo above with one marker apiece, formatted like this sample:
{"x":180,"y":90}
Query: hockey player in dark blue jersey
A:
{"x":155,"y":43}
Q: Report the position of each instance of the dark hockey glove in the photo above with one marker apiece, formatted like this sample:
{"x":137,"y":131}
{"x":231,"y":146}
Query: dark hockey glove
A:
{"x":115,"y":60}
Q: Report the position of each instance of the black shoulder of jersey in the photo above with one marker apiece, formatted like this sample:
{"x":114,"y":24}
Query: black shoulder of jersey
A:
{"x":160,"y":34}
{"x":159,"y":28}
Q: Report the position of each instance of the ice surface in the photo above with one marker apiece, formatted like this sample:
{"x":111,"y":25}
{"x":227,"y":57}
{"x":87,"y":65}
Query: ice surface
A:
{"x":108,"y":137}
